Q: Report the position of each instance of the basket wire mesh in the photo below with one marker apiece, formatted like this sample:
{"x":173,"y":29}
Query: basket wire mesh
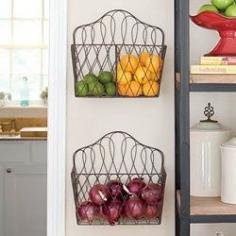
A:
{"x":118,"y":42}
{"x":116,"y":156}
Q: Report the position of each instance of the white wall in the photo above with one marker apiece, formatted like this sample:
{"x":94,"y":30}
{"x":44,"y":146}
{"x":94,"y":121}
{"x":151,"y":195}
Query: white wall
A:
{"x":202,"y":41}
{"x":150,"y":120}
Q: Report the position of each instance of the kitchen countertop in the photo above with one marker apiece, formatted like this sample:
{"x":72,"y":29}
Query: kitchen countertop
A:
{"x":19,"y":138}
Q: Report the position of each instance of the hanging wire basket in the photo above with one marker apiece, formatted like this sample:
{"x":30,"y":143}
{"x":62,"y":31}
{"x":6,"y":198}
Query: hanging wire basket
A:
{"x":118,"y":56}
{"x":117,"y":157}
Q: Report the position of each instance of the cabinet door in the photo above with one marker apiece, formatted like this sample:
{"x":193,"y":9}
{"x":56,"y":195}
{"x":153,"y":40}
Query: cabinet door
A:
{"x":25,"y":201}
{"x":15,"y":151}
{"x":2,"y":228}
{"x":39,"y":152}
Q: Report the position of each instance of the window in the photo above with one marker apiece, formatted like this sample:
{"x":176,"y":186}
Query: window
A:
{"x":23,"y":46}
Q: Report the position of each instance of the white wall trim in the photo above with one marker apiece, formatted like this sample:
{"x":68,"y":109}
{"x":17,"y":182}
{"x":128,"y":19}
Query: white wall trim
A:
{"x":57,"y":119}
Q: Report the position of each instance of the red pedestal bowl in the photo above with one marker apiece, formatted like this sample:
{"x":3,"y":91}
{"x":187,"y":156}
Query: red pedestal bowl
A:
{"x":226,"y":26}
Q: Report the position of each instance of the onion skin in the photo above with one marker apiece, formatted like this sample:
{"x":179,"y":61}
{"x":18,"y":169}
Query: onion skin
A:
{"x":152,"y":194}
{"x":88,"y":211}
{"x":116,"y":189}
{"x":99,"y":194}
{"x":136,"y":185}
{"x":134,"y":208}
{"x":112,"y":211}
{"x":152,"y":211}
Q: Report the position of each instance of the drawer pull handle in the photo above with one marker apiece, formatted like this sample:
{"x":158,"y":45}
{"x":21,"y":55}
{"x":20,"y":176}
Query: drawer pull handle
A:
{"x":9,"y":170}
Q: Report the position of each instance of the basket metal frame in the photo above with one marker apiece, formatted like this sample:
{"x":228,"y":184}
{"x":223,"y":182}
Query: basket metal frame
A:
{"x":85,"y":36}
{"x":80,"y":178}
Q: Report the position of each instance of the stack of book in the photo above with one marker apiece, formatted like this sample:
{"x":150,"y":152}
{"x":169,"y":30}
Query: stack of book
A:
{"x":214,"y":67}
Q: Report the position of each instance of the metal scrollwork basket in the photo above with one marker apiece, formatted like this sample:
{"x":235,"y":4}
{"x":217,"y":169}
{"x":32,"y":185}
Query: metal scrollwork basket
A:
{"x":117,"y":157}
{"x":120,"y":50}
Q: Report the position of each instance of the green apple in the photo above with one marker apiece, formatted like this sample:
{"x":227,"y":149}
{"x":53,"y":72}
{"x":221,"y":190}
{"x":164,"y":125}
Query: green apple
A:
{"x":231,"y":11}
{"x":222,"y":4}
{"x":207,"y":7}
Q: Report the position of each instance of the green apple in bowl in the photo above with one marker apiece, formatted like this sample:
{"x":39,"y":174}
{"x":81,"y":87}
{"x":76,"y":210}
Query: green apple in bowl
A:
{"x":231,"y":11}
{"x":207,"y":7}
{"x":221,"y":5}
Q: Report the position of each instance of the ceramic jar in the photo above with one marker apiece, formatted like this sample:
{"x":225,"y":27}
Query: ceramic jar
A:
{"x":228,"y":187}
{"x":206,"y":138}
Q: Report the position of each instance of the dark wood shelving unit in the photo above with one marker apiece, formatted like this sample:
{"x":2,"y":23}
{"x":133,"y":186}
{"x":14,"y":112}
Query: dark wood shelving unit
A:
{"x":198,"y":87}
{"x":209,"y":210}
{"x":190,"y":210}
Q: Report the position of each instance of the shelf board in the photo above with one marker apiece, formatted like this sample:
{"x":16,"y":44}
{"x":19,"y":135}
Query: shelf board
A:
{"x":212,"y":79}
{"x":209,"y":83}
{"x":209,"y":210}
{"x":212,"y":83}
{"x":212,"y":87}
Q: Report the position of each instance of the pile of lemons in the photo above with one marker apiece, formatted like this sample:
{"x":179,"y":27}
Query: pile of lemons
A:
{"x":137,"y":76}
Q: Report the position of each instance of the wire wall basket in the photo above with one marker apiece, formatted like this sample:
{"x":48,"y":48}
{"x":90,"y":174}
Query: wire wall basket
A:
{"x":118,"y":56}
{"x":118,"y":180}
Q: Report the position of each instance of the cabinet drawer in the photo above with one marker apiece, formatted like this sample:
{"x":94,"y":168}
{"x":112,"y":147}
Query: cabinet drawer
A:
{"x":39,"y":152}
{"x":14,"y":151}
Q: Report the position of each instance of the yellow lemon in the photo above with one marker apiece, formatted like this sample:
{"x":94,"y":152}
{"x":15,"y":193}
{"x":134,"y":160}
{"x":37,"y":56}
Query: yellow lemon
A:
{"x":151,"y":89}
{"x":119,"y":68}
{"x":143,"y":58}
{"x":122,"y":89}
{"x":129,"y":63}
{"x":155,"y":76}
{"x":134,"y":89}
{"x":142,"y":75}
{"x":154,"y":64}
{"x":123,"y":77}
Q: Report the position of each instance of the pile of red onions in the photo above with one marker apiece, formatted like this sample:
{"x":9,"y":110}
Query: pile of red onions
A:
{"x":88,"y":211}
{"x":99,"y":194}
{"x":136,"y":185}
{"x":136,"y":200}
{"x":112,"y":211}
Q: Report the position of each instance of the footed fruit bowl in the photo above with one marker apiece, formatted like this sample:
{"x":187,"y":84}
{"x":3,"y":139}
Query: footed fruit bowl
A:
{"x":226,"y":26}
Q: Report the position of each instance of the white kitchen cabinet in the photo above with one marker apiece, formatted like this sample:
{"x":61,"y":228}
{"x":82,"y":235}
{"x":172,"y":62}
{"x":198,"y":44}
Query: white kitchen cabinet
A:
{"x":39,"y":152}
{"x":23,"y":187}
{"x":14,"y":151}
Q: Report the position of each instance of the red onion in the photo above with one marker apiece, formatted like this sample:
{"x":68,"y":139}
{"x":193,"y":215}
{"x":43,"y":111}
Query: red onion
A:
{"x":99,"y":194}
{"x":152,"y":211}
{"x":134,"y":208}
{"x":88,"y":211}
{"x":112,"y":211}
{"x":136,"y":185}
{"x":152,"y":193}
{"x":116,"y":189}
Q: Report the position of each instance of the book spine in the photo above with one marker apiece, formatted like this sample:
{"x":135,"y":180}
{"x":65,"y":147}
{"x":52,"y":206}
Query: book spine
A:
{"x":221,"y":69}
{"x":218,"y":60}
